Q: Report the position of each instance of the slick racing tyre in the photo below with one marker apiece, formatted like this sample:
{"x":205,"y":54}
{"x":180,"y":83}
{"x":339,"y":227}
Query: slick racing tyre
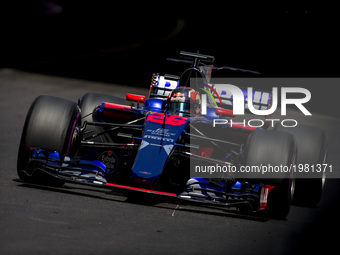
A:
{"x":88,"y":105}
{"x":312,"y":150}
{"x":273,"y":148}
{"x":50,"y":125}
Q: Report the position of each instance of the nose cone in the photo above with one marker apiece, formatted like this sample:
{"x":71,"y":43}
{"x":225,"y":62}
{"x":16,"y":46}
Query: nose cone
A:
{"x":161,"y":132}
{"x":150,"y":161}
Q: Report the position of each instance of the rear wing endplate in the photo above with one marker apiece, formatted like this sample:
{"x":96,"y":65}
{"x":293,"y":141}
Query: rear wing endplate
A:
{"x":162,"y":85}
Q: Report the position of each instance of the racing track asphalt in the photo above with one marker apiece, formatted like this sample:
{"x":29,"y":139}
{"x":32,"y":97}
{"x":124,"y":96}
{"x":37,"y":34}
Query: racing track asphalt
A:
{"x":81,"y":220}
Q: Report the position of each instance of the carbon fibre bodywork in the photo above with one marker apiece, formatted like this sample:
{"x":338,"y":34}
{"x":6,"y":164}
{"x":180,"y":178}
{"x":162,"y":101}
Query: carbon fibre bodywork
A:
{"x":147,"y":149}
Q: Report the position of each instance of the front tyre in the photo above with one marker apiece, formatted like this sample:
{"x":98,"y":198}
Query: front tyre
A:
{"x":276,"y":149}
{"x":312,"y":150}
{"x":50,"y":125}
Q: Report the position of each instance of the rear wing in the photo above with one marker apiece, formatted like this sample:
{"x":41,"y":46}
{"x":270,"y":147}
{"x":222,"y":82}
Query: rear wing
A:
{"x":162,"y":85}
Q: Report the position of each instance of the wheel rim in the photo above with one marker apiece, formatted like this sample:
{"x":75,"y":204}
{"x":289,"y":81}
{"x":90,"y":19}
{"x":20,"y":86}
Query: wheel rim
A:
{"x":74,"y":136}
{"x":323,"y":178}
{"x":292,"y":189}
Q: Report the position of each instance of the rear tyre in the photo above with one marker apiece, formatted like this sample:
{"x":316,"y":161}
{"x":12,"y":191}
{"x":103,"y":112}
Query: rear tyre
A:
{"x":50,"y":125}
{"x":312,"y":150}
{"x":273,"y":148}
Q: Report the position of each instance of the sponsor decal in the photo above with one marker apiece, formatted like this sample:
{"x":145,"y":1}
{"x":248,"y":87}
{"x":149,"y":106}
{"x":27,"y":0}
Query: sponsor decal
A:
{"x":110,"y":160}
{"x":178,"y":97}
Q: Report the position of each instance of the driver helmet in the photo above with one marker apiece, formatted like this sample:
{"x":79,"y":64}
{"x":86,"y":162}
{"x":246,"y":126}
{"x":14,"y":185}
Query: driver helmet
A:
{"x":184,"y":101}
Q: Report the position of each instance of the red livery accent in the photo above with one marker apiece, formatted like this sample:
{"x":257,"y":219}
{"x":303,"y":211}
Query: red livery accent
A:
{"x":169,"y":120}
{"x":264,"y":195}
{"x":244,"y":127}
{"x":213,"y":90}
{"x":117,"y":111}
{"x":143,"y":190}
{"x":206,"y":152}
{"x":117,"y":107}
{"x":135,"y":98}
{"x":222,"y":111}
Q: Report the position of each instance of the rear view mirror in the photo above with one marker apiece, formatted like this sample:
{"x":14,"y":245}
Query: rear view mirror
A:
{"x":135,"y":98}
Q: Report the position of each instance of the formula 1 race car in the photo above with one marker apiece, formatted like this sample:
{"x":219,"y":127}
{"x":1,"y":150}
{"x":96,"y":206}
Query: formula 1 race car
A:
{"x":155,"y":145}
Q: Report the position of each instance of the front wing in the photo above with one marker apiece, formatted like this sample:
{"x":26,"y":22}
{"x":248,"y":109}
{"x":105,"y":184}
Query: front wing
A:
{"x":198,"y":191}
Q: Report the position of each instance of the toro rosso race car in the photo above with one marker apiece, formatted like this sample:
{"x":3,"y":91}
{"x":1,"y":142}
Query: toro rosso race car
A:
{"x":153,"y":145}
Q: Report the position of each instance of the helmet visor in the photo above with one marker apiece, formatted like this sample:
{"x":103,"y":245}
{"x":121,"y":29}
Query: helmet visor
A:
{"x":180,"y":108}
